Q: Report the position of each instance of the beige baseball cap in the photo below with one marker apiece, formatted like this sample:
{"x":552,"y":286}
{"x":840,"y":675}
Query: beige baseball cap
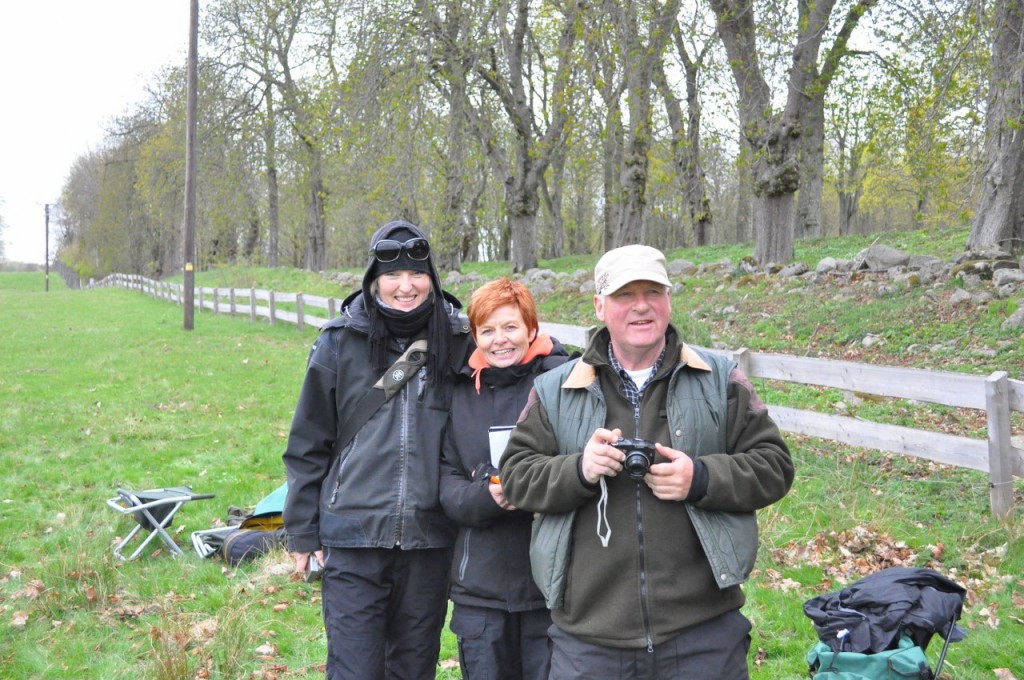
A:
{"x":624,"y":265}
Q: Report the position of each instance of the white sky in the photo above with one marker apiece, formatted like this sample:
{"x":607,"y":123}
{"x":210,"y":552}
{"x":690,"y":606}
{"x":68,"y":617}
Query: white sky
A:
{"x":69,"y":67}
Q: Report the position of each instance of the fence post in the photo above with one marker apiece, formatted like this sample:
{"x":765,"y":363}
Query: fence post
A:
{"x":216,"y":300}
{"x":300,"y":320}
{"x":231,"y":297}
{"x":273,"y":308}
{"x":742,"y":359}
{"x":252,"y":305}
{"x":332,"y":308}
{"x":1000,"y":467}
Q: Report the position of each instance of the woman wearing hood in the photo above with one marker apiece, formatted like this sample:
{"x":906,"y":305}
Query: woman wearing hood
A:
{"x":499,"y":615}
{"x":364,"y":504}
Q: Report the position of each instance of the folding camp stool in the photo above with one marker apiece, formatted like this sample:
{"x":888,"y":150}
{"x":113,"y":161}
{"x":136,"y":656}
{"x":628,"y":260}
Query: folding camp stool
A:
{"x":153,"y":510}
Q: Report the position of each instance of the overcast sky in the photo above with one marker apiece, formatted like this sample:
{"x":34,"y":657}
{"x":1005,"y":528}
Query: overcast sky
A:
{"x":69,"y":67}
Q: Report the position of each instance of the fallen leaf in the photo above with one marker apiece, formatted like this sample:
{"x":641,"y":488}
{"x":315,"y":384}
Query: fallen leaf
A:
{"x":204,"y":629}
{"x":19,"y":619}
{"x":1004,"y":674}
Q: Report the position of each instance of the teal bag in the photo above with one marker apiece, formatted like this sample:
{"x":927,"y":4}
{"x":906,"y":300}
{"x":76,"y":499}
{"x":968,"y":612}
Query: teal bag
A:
{"x":907,"y":661}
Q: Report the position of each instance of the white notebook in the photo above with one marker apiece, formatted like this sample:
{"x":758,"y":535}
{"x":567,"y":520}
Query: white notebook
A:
{"x":499,"y":435}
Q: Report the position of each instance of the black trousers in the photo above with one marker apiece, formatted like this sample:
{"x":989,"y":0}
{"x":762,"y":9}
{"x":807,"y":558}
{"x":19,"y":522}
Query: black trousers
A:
{"x":495,"y":644}
{"x":383,"y":611}
{"x":714,"y":650}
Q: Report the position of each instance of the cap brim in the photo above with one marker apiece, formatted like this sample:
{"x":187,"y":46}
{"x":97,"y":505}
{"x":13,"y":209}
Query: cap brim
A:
{"x":624,"y":278}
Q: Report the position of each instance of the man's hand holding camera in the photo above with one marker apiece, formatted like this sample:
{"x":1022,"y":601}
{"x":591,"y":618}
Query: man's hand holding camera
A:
{"x":603,"y":457}
{"x":670,"y":481}
{"x":600,"y":457}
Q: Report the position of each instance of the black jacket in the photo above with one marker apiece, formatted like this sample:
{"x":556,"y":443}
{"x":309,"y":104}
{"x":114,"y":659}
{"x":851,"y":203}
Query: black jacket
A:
{"x":869,"y":615}
{"x":381,"y":490}
{"x":491,"y":567}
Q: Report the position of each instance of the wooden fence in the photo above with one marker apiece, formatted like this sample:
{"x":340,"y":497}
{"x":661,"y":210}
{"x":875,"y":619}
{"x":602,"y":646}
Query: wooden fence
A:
{"x":998,"y":395}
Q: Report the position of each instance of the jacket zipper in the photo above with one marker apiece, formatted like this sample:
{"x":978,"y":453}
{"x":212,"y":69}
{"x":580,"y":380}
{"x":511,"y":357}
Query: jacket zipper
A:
{"x":464,"y":562}
{"x":645,"y":610}
{"x":403,"y":467}
{"x":341,"y":466}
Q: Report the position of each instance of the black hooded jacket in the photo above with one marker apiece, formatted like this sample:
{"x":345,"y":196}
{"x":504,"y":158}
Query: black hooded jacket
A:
{"x":869,"y":615}
{"x":491,"y":567}
{"x":380,"y":489}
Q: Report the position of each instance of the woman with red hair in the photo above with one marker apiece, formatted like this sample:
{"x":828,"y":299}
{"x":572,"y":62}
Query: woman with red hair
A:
{"x":499,"y":615}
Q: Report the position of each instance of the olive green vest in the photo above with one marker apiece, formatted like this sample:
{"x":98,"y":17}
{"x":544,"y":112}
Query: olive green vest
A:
{"x":696,"y":413}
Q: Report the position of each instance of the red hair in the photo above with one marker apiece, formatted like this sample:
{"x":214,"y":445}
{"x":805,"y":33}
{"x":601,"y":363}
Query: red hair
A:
{"x":499,"y":293}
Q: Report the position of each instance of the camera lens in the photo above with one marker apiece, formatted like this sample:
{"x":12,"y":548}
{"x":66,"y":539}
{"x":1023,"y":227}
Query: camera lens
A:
{"x":637,"y":464}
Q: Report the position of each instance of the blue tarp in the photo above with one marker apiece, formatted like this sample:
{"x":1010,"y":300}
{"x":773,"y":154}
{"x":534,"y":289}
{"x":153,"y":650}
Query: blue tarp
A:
{"x":272,"y":503}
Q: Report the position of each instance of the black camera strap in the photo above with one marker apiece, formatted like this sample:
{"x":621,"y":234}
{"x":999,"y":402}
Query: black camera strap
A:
{"x":386,"y":387}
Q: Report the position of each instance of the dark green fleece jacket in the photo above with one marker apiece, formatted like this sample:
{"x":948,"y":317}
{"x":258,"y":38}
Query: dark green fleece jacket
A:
{"x":654,"y":578}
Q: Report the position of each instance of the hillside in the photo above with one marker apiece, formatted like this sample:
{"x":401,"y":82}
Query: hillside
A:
{"x":948,"y":321}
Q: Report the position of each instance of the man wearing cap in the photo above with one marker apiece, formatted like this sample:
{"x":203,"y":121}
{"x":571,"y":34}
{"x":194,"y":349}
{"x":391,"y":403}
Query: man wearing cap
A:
{"x":642,"y":573}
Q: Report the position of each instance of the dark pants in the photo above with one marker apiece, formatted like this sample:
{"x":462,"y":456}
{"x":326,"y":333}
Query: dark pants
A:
{"x":384,"y":610}
{"x":498,"y":645}
{"x":714,"y":650}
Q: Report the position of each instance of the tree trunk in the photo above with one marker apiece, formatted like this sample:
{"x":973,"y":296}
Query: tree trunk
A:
{"x":316,"y":228}
{"x":744,"y":196}
{"x":772,"y":212}
{"x":611,"y":159}
{"x":812,"y":161}
{"x":273,"y":191}
{"x":524,"y":242}
{"x":446,"y":237}
{"x":554,"y":198}
{"x":999,"y":221}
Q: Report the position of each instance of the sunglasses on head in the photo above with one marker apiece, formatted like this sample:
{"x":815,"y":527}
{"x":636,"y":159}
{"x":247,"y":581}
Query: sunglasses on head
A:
{"x":388,"y":250}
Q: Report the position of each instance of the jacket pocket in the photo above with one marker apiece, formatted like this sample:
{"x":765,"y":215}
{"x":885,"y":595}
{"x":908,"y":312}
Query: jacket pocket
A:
{"x":467,"y":623}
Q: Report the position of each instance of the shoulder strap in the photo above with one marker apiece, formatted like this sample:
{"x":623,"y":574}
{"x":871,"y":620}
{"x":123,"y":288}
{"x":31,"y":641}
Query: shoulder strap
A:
{"x":388,"y":386}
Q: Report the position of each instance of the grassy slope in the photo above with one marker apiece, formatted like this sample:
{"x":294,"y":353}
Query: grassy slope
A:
{"x":103,"y":388}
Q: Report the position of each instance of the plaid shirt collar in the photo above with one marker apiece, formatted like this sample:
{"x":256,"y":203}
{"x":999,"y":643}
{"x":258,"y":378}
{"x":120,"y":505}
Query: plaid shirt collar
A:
{"x":629,"y":388}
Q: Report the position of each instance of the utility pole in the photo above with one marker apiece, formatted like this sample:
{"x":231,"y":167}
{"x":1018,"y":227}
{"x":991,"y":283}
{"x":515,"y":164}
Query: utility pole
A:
{"x":190,"y":166}
{"x":47,"y":258}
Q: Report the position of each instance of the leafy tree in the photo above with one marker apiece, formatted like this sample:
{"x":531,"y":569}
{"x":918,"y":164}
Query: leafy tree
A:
{"x":510,"y":63}
{"x":929,"y":97}
{"x":848,"y":115}
{"x":686,"y":133}
{"x":641,"y":30}
{"x":773,"y":133}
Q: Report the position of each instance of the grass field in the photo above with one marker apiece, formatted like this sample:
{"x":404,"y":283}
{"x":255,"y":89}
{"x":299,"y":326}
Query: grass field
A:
{"x":103,"y":388}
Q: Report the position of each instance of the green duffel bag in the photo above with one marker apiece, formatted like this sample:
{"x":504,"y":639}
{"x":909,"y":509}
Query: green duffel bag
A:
{"x":906,"y":662}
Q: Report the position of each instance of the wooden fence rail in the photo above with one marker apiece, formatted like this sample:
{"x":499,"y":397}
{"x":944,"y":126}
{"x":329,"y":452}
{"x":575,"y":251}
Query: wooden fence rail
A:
{"x":997,"y":394}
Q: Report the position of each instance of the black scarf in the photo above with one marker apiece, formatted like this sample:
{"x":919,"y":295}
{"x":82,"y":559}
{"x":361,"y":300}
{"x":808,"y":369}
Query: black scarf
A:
{"x":406,"y":324}
{"x":429,"y":320}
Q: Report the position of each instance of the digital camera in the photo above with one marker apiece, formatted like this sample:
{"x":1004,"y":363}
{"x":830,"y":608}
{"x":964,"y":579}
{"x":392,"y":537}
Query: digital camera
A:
{"x":315,"y":571}
{"x":639,"y":456}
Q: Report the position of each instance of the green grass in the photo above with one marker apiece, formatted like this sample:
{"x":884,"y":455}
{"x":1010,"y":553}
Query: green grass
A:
{"x":103,"y":388}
